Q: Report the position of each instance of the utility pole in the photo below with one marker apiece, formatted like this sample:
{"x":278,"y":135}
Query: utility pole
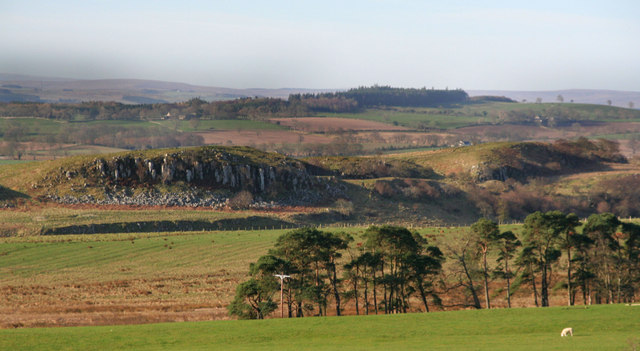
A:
{"x":282,"y":278}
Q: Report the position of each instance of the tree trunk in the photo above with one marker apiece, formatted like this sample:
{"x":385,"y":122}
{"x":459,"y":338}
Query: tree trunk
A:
{"x":384,"y":290}
{"x":472,"y":289}
{"x":355,"y":292}
{"x":423,"y":296}
{"x":506,"y":274}
{"x":366,"y":290}
{"x":299,"y":310}
{"x":609,"y":288}
{"x":533,"y":284}
{"x":289,"y":303}
{"x":375,"y":294}
{"x":336,"y":293}
{"x":403,"y":297}
{"x":391,"y":307}
{"x":486,"y":277}
{"x":544,"y":289}
{"x":569,"y":294}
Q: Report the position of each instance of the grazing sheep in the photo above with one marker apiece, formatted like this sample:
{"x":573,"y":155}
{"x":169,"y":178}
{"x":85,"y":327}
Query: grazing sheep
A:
{"x":567,"y":331}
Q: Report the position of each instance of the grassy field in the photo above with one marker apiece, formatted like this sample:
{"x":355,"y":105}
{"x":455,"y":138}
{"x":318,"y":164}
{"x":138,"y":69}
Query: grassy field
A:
{"x":413,"y":120}
{"x":33,"y":126}
{"x":13,"y":162}
{"x":220,"y":124}
{"x":487,"y":113}
{"x":597,"y":328}
{"x":132,"y":278}
{"x":125,"y":278}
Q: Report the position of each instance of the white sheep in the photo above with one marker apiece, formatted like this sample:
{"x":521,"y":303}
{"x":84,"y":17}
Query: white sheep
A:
{"x":567,"y":331}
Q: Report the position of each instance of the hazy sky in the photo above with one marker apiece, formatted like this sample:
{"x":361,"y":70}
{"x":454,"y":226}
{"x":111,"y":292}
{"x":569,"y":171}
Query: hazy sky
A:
{"x":512,"y":45}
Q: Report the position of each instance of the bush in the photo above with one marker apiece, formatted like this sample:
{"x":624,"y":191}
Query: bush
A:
{"x":241,"y":200}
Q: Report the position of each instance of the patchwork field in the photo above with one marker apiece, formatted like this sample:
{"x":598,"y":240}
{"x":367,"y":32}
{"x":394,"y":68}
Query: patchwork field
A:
{"x":218,"y":124}
{"x":608,"y":327}
{"x":333,"y":124}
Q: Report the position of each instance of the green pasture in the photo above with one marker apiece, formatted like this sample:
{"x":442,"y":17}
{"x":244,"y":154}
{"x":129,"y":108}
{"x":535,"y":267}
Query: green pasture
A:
{"x":33,"y":126}
{"x":203,"y":125}
{"x":95,"y":258}
{"x":413,"y":120}
{"x":102,"y":257}
{"x":62,"y":259}
{"x":613,"y":327}
{"x":487,"y":113}
{"x":13,"y":162}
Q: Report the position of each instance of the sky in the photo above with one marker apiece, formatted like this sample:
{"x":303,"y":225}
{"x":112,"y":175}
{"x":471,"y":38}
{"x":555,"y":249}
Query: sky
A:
{"x":327,"y":44}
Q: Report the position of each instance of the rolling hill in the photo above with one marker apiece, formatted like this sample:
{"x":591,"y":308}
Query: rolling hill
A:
{"x":454,"y":185}
{"x":132,"y":91}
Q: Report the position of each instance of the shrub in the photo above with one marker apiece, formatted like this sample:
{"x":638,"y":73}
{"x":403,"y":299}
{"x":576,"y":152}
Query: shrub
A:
{"x":241,"y":200}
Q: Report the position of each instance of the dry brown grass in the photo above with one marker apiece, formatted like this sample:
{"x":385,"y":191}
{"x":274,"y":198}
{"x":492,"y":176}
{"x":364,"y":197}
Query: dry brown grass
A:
{"x":124,"y":301}
{"x":257,"y":137}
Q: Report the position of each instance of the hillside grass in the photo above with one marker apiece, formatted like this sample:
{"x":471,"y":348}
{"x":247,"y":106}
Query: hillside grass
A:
{"x":611,"y":327}
{"x":451,"y":160}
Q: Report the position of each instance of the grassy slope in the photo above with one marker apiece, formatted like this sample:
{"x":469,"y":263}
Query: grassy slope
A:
{"x":596,"y":328}
{"x":451,"y":160}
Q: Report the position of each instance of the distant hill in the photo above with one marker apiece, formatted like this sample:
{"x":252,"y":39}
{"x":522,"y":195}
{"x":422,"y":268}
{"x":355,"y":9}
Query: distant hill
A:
{"x":53,"y":89}
{"x":16,"y":87}
{"x":599,"y":97}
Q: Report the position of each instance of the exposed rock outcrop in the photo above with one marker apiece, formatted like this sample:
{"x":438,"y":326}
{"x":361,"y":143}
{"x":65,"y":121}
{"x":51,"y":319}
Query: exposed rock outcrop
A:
{"x":213,"y":174}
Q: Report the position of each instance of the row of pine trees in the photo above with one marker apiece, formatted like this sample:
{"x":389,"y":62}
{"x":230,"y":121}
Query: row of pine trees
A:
{"x":395,"y":270}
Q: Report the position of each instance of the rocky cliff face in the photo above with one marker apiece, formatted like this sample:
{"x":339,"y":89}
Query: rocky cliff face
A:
{"x":212,"y":174}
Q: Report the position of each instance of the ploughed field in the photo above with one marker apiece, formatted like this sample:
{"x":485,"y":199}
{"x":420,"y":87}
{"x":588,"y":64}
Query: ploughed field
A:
{"x":603,"y":327}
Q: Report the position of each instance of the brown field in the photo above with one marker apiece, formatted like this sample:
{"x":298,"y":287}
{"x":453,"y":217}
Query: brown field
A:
{"x":195,"y":297}
{"x":256,"y":137}
{"x":332,"y":124}
{"x":123,"y":301}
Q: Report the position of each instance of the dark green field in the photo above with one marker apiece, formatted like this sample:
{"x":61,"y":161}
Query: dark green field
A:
{"x":612,"y":327}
